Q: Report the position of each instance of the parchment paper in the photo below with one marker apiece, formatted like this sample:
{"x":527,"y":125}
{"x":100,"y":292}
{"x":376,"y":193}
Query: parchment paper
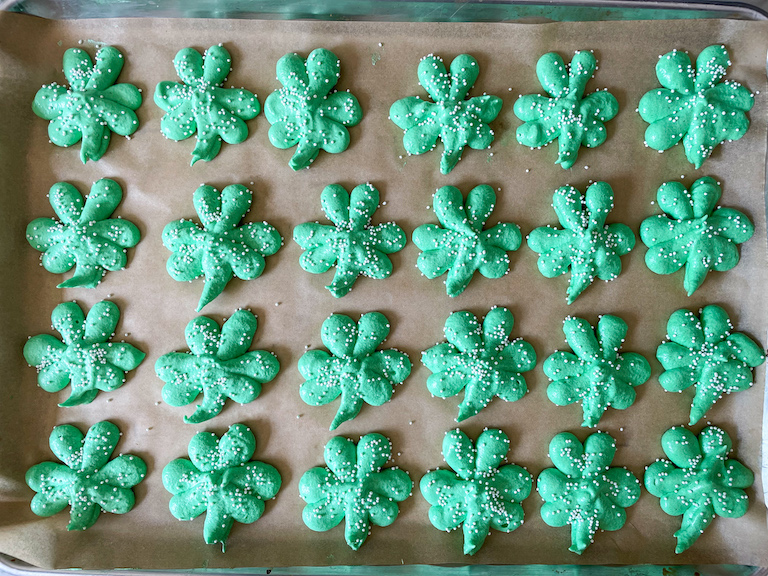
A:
{"x":379,"y":64}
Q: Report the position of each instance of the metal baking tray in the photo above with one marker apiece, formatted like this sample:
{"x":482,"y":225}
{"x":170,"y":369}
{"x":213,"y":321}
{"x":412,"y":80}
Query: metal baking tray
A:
{"x":407,"y":11}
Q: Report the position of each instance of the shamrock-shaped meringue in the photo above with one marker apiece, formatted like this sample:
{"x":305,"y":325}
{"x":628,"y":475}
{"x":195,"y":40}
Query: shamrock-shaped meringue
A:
{"x":585,"y":245}
{"x":85,"y":237}
{"x":705,"y":353}
{"x":87,"y":481}
{"x":92,"y":106}
{"x":84,"y":358}
{"x":460,"y":244}
{"x":480,"y":493}
{"x":307,"y":112}
{"x":457,"y":120}
{"x":569,"y":116}
{"x":584,"y":490}
{"x":355,"y":369}
{"x":596,"y":375}
{"x":199,"y":104}
{"x":697,"y":481}
{"x":479,"y":359}
{"x":355,"y":487}
{"x":694,"y":105}
{"x":222,"y":481}
{"x":221,"y":249}
{"x":218,"y":366}
{"x":693,"y":232}
{"x":351,"y":243}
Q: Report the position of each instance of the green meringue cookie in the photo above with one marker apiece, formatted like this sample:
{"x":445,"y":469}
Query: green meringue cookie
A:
{"x":355,"y":369}
{"x":480,"y":494}
{"x":222,"y":248}
{"x":457,"y":120}
{"x":693,"y":232}
{"x":355,"y":487}
{"x":200,"y":105}
{"x":218,"y":366}
{"x":482,"y":360}
{"x":704,"y":352}
{"x":461,"y":245}
{"x":697,"y":481}
{"x":307,"y":112}
{"x":351,"y":244}
{"x":583,"y":489}
{"x":222,"y":481}
{"x":569,"y":116}
{"x":596,"y":375}
{"x":88,"y":481}
{"x":84,"y":359}
{"x":694,"y":105}
{"x":93,"y":106}
{"x":85,"y":236}
{"x":586,"y":245}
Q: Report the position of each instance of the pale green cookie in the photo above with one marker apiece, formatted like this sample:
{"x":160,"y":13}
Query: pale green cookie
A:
{"x":200,"y":105}
{"x":586,"y":245}
{"x":457,"y":120}
{"x":307,"y":112}
{"x":694,"y":105}
{"x":697,"y":481}
{"x":355,"y":369}
{"x":569,"y":116}
{"x":218,"y":366}
{"x":85,"y":236}
{"x":596,"y":375}
{"x":693,"y":232}
{"x":583,"y":489}
{"x":351,"y":243}
{"x":93,"y":106}
{"x":480,"y":494}
{"x":355,"y":487}
{"x":88,"y":481}
{"x":85,"y":358}
{"x":481,"y":360}
{"x":222,"y":481}
{"x":222,"y":248}
{"x":705,"y":353}
{"x":461,"y":244}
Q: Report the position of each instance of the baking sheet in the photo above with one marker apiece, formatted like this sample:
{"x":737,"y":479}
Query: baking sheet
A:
{"x":379,"y":64}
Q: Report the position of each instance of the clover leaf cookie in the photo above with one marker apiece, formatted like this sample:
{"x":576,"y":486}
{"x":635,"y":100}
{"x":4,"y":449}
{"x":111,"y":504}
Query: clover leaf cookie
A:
{"x":597,"y":375}
{"x":570,"y":116}
{"x":479,"y":359}
{"x":307,"y":112}
{"x":350,"y":243}
{"x":88,"y":480}
{"x":457,"y":120}
{"x":697,"y":481}
{"x":354,"y":486}
{"x":93,"y":106}
{"x":586,"y":245}
{"x":480,"y":493}
{"x":583,"y":489}
{"x":694,"y":105}
{"x":693,"y":232}
{"x":460,"y":244}
{"x":85,"y":358}
{"x":218,"y":366}
{"x":221,"y":249}
{"x":85,"y":236}
{"x":704,"y":352}
{"x":355,"y":369}
{"x":200,"y":105}
{"x":220,"y":480}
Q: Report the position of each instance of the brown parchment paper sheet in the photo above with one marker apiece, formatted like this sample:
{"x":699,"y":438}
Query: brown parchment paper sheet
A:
{"x":379,"y":62}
